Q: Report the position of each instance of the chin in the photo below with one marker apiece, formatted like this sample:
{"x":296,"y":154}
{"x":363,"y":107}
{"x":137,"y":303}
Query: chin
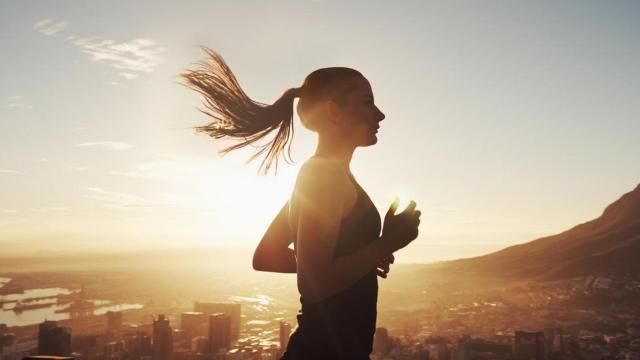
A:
{"x":370,"y":141}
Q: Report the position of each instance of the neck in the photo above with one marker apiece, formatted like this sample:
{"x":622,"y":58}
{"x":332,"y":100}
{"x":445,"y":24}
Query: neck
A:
{"x":338,"y":150}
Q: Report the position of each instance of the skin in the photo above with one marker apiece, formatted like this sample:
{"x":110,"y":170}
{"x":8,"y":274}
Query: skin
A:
{"x":315,"y":217}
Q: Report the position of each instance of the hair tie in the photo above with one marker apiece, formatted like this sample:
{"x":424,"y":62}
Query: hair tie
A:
{"x":296,"y":92}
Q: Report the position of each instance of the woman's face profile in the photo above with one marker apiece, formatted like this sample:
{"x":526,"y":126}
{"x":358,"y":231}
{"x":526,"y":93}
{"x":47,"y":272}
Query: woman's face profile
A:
{"x":361,"y":115}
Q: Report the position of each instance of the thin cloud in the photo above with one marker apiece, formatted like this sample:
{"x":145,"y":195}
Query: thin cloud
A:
{"x":113,"y":145}
{"x":17,"y":102}
{"x":181,"y":171}
{"x":49,"y":209}
{"x":113,"y":199}
{"x":132,"y":58}
{"x":123,"y":201}
{"x":48,"y":27}
{"x":77,"y":168}
{"x":10,"y":171}
{"x":128,"y":76}
{"x":133,"y":174}
{"x":42,"y":23}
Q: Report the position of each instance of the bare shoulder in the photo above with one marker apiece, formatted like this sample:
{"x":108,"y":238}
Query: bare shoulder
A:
{"x":323,"y":174}
{"x":322,"y":187}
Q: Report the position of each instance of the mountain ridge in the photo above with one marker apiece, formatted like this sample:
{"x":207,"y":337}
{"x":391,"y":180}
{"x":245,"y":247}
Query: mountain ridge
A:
{"x":607,"y":244}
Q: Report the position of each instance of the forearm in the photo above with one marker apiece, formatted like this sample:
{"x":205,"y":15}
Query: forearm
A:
{"x":346,"y":270}
{"x":281,"y":262}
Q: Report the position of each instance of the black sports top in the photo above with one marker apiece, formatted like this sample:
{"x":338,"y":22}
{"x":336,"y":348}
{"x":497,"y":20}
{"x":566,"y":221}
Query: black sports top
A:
{"x":342,"y":326}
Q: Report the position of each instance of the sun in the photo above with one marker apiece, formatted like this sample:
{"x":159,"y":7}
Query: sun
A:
{"x":239,"y":202}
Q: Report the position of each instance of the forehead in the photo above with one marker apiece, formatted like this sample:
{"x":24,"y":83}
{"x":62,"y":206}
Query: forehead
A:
{"x":362,"y":87}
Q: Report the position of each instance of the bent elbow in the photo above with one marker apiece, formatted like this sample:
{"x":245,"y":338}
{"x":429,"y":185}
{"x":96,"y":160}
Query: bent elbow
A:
{"x":263,"y":260}
{"x":258,"y":266}
{"x":257,"y":262}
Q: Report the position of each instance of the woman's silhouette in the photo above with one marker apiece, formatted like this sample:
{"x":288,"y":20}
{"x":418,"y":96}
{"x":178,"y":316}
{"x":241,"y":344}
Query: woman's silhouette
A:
{"x":334,"y":226}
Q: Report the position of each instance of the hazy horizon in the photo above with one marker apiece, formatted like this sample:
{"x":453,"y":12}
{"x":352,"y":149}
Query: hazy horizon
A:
{"x":505,"y":123}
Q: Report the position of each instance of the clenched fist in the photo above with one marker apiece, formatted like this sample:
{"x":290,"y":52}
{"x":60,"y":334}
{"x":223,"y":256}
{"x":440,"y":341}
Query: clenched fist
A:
{"x":399,"y":230}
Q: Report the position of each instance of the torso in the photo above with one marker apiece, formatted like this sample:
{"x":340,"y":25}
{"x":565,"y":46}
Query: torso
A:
{"x":344,"y":322}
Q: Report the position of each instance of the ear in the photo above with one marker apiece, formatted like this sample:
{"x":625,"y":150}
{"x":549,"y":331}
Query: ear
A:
{"x":334,"y":112}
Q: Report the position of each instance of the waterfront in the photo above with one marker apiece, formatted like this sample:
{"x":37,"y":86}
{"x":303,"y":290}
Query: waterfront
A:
{"x":50,"y":308}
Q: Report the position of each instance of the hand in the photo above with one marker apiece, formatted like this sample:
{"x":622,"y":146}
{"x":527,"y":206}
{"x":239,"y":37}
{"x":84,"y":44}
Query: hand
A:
{"x":383,"y":267}
{"x":399,"y":230}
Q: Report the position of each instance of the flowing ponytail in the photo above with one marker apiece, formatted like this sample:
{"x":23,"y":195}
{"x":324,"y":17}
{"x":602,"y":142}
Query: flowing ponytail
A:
{"x":237,"y":116}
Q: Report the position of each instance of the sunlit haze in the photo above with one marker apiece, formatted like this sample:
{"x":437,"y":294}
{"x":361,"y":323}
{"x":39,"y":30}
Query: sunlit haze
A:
{"x":505,"y":121}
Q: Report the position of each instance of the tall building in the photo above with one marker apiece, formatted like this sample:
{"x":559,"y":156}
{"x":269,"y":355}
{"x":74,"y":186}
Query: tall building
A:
{"x":194,"y":324}
{"x":137,"y":344}
{"x":381,"y":341}
{"x":200,"y":345}
{"x":438,"y":351}
{"x":113,"y":350}
{"x":231,"y":309}
{"x":285,"y":333}
{"x":421,"y":354}
{"x":6,"y":338}
{"x":53,"y":339}
{"x":554,"y":340}
{"x":468,"y":349}
{"x":272,"y":352}
{"x":219,"y":332}
{"x":162,"y":339}
{"x":114,"y":321}
{"x":85,"y":344}
{"x":463,"y":348}
{"x":529,"y":346}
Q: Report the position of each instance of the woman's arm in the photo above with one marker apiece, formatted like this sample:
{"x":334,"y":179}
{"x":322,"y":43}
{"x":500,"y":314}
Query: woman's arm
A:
{"x":321,"y":191}
{"x":273,"y":253}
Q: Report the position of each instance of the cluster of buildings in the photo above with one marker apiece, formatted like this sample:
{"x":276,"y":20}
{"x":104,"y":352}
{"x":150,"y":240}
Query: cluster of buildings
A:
{"x":551,"y":344}
{"x":217,"y":331}
{"x":216,"y":336}
{"x":210,"y":332}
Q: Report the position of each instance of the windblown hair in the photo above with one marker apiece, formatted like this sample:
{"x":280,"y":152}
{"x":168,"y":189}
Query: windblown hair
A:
{"x":239,"y":117}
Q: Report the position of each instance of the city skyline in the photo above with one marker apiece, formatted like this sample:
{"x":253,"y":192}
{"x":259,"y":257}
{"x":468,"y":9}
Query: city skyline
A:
{"x":525,"y":321}
{"x":505,"y":124}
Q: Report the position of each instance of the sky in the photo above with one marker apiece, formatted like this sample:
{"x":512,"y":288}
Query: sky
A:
{"x":505,"y":121}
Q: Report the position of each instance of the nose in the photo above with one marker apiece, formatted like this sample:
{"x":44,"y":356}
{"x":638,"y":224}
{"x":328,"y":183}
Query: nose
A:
{"x":381,"y":115}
